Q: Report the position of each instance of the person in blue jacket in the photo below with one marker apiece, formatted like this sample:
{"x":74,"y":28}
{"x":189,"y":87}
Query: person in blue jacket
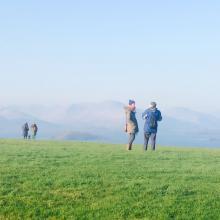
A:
{"x":151,"y":116}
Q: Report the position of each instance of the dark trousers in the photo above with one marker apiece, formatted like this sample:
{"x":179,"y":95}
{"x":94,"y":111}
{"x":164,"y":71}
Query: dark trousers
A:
{"x":131,"y":140}
{"x":25,"y":135}
{"x":150,"y":136}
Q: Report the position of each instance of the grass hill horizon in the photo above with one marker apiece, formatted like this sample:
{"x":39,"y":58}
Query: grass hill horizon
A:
{"x":78,"y":180}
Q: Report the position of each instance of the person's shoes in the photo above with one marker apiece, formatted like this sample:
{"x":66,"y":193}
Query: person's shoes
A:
{"x":145,"y":148}
{"x":129,"y":147}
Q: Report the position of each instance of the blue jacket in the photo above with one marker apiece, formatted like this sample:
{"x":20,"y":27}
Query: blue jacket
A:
{"x":145,"y":116}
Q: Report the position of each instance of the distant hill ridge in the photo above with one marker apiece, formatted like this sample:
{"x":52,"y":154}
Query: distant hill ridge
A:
{"x":105,"y":121}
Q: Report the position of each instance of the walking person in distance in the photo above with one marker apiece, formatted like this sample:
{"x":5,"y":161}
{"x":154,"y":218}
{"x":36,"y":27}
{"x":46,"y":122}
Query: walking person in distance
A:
{"x":25,"y":130}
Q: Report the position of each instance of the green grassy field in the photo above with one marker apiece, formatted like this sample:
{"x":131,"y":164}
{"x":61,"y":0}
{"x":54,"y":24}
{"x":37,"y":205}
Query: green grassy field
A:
{"x":68,"y":180}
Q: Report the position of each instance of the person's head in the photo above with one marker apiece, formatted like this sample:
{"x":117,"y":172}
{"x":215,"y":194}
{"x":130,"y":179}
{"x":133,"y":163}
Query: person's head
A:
{"x":153,"y":105}
{"x":132,"y":105}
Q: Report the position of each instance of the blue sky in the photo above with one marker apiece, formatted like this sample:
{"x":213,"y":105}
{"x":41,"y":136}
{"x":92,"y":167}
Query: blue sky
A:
{"x":60,"y":52}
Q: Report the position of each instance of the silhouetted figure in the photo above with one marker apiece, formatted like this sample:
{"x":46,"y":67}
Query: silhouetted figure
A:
{"x":25,"y":130}
{"x":34,"y":130}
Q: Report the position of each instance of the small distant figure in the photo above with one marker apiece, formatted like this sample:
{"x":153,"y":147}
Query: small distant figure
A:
{"x":131,"y":126}
{"x":151,"y":116}
{"x":34,"y":130}
{"x":25,"y":130}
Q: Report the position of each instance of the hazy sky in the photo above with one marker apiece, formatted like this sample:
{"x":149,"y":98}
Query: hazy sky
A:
{"x":60,"y":52}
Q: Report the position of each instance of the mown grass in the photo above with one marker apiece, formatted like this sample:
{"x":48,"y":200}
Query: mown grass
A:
{"x":68,"y":180}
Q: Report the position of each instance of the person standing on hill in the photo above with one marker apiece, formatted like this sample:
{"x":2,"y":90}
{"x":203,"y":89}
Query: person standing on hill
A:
{"x":151,"y":116}
{"x":34,"y":130}
{"x":25,"y":130}
{"x":131,"y":126}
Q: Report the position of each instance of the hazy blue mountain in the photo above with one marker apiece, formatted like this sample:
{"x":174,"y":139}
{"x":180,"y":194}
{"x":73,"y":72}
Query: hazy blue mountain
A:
{"x":52,"y":113}
{"x":11,"y":122}
{"x":192,"y":127}
{"x":199,"y":119}
{"x":105,"y":121}
{"x":104,"y":114}
{"x":180,"y":126}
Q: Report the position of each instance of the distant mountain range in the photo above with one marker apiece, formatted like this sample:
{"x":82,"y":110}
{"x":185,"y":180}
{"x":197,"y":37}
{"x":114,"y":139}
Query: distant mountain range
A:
{"x":105,"y":121}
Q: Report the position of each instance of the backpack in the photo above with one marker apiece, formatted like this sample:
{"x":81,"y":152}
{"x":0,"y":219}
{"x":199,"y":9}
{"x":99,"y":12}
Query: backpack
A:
{"x":152,"y":120}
